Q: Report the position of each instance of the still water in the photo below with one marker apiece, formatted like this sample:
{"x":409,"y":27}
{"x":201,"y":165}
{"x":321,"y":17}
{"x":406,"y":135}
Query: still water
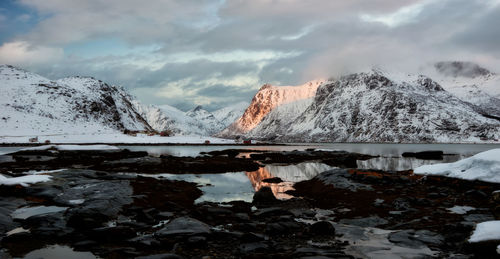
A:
{"x":387,"y":150}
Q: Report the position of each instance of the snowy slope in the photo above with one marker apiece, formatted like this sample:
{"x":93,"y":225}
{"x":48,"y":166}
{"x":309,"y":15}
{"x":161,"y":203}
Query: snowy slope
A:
{"x":471,"y":83}
{"x":266,"y":99}
{"x":210,"y":122}
{"x":379,"y":106}
{"x":31,"y":105}
{"x":166,"y":117}
{"x":230,"y":114}
{"x":278,"y":118}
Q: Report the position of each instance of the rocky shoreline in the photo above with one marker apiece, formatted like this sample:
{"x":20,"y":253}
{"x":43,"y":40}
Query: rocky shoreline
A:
{"x":105,"y":202}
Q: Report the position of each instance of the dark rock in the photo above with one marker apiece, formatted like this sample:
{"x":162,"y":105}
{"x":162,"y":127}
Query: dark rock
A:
{"x":184,"y":226}
{"x":145,"y":240}
{"x":476,"y":194}
{"x":365,"y":222}
{"x":197,"y":241}
{"x":251,"y":248}
{"x":279,"y":228}
{"x":242,"y":216}
{"x":264,"y":197}
{"x":161,"y":256}
{"x":273,"y":180}
{"x":401,"y":204}
{"x":85,"y":244}
{"x":251,"y":238}
{"x":416,"y":239}
{"x":322,"y":228}
{"x":272,"y":211}
{"x":112,"y":233}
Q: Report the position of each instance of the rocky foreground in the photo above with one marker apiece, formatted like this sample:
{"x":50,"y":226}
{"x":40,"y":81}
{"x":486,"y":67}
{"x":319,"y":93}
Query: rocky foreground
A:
{"x":106,"y":202}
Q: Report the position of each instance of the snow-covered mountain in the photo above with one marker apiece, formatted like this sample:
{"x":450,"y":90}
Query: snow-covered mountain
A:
{"x":267,"y":98}
{"x":33,"y":105}
{"x":165,"y":117}
{"x":378,"y":106}
{"x":230,"y":114}
{"x":471,"y":83}
{"x":211,"y":123}
{"x":194,"y":122}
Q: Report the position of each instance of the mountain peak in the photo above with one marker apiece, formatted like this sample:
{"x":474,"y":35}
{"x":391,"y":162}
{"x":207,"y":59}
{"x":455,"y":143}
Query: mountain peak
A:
{"x":461,"y":69}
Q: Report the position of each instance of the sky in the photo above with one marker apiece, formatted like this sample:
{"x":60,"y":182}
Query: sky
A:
{"x":218,"y":52}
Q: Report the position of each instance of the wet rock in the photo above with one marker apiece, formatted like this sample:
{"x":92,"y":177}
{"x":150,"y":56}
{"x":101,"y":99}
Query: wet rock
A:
{"x":401,"y":204}
{"x":53,"y":224}
{"x":365,"y":222}
{"x":273,"y":180}
{"x":145,"y":240}
{"x":85,"y":244}
{"x":242,"y":216}
{"x":478,"y":218}
{"x":250,"y":248}
{"x":322,"y":228}
{"x":476,"y":194}
{"x":252,"y":237}
{"x":416,"y":239}
{"x":184,"y":226}
{"x":272,"y":211}
{"x":197,"y":241}
{"x":312,"y":251}
{"x":264,"y":197}
{"x":112,"y":233}
{"x":161,"y":256}
{"x":341,"y":179}
{"x":279,"y":228}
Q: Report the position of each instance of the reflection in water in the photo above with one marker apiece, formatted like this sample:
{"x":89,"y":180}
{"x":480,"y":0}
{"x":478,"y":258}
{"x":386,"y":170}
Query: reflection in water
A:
{"x":403,"y":163}
{"x":217,"y":187}
{"x":289,"y":174}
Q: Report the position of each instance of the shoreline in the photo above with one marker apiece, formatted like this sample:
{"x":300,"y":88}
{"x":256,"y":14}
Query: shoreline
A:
{"x":16,"y":144}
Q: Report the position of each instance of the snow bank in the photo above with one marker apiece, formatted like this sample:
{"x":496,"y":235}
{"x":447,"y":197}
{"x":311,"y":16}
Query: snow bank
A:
{"x":485,"y":231}
{"x":73,"y":147}
{"x":484,"y":166}
{"x":24,"y":180}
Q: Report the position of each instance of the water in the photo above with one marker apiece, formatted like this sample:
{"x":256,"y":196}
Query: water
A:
{"x":364,"y":148}
{"x":242,"y":185}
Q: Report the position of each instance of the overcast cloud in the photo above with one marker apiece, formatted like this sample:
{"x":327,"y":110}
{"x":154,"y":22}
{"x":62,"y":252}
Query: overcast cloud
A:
{"x":214,"y":53}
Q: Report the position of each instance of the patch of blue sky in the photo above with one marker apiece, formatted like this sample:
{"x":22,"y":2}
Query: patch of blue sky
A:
{"x":16,"y":19}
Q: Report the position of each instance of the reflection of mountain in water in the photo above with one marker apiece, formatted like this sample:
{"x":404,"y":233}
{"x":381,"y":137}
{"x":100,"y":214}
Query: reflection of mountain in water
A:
{"x":402,"y":163}
{"x":289,"y":174}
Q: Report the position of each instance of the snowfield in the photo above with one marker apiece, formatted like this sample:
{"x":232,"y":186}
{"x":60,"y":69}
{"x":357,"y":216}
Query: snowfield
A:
{"x":115,"y":138}
{"x":484,"y":166}
{"x":73,"y":147}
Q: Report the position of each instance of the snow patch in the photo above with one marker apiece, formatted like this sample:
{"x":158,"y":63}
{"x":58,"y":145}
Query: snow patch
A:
{"x":484,"y":166}
{"x":460,"y":209}
{"x":24,"y":180}
{"x":485,"y":231}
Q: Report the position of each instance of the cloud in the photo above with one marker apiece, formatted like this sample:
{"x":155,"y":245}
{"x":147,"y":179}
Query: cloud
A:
{"x":21,"y":53}
{"x":185,"y":52}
